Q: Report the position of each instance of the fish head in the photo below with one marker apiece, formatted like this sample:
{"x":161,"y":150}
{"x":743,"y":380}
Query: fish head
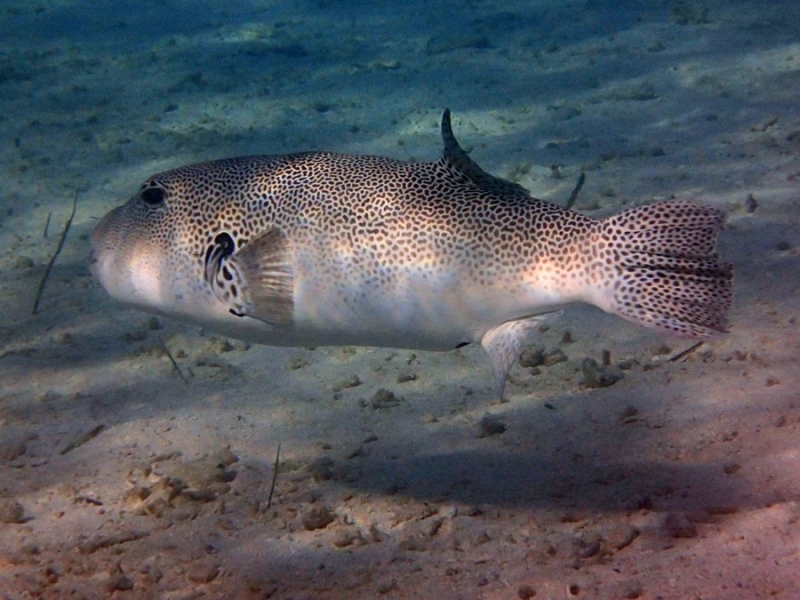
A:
{"x":165,"y":250}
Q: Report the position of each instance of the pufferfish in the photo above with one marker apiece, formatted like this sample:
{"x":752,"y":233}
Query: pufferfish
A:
{"x":320,"y":248}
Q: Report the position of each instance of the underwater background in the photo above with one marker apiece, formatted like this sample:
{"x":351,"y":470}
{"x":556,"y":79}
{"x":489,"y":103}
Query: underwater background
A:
{"x":137,"y":454}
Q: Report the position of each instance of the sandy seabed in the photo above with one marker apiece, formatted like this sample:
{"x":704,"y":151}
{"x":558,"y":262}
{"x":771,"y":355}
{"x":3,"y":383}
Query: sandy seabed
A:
{"x":118,"y":478}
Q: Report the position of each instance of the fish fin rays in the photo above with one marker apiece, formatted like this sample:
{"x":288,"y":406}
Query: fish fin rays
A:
{"x":504,"y":343}
{"x":666,"y":274}
{"x":455,"y":156}
{"x":265,"y":265}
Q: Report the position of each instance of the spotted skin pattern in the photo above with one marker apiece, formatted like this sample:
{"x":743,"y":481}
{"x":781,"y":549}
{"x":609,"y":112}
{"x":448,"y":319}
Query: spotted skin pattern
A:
{"x":323,"y":248}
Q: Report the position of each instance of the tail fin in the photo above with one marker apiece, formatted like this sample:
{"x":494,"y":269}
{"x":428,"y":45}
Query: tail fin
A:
{"x":667,"y":275}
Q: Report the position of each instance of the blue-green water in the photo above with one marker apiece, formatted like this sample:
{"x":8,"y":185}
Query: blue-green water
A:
{"x":651,"y":100}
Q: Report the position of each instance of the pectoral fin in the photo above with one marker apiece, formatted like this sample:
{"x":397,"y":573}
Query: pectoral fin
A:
{"x":504,"y":342}
{"x":265,"y":266}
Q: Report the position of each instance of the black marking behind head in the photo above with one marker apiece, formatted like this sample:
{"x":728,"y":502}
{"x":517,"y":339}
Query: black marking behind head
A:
{"x":455,"y":155}
{"x":222,"y":248}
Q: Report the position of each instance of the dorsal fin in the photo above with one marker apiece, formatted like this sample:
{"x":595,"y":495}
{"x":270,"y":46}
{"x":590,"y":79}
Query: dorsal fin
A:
{"x":454,"y":154}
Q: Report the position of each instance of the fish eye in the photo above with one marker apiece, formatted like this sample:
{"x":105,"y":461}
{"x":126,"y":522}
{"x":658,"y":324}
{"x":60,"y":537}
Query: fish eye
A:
{"x":152,"y":196}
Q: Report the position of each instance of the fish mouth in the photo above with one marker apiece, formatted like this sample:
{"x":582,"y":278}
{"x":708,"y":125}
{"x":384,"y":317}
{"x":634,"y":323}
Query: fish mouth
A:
{"x":96,"y":252}
{"x":93,"y":250}
{"x":94,"y":267}
{"x":100,"y":272}
{"x":109,"y":255}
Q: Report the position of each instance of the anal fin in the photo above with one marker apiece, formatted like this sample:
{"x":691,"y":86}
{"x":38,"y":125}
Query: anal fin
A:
{"x":265,"y":266}
{"x":504,"y":342}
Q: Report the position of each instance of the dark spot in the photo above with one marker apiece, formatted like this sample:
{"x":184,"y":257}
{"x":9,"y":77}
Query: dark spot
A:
{"x":225,"y":243}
